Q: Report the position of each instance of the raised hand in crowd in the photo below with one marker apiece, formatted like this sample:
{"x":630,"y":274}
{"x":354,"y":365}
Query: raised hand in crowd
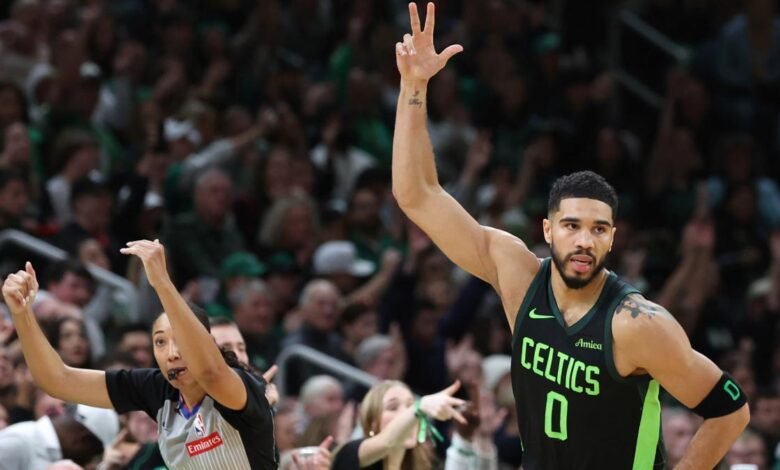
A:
{"x":116,"y":455}
{"x":313,"y":458}
{"x":271,"y":392}
{"x":345,"y":425}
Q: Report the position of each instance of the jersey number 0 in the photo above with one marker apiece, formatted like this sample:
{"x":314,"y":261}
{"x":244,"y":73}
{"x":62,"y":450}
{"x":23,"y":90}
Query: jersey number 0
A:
{"x":561,"y":411}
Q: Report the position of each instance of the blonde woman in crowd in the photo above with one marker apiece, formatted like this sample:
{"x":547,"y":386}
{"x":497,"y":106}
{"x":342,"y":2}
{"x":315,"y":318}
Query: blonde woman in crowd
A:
{"x":397,"y":427}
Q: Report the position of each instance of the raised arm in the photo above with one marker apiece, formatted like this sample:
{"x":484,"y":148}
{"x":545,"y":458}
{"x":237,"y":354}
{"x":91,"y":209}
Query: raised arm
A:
{"x":441,"y":406}
{"x":648,"y":338}
{"x":415,"y":184}
{"x":197,"y":346}
{"x":49,"y":372}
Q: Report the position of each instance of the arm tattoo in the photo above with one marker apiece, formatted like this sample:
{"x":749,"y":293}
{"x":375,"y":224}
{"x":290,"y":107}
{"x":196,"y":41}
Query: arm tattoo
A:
{"x":414,"y":100}
{"x":636,"y":305}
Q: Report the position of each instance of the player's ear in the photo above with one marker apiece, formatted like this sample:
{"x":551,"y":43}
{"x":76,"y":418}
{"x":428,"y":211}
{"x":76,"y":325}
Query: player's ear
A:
{"x":547,"y":229}
{"x":614,"y":230}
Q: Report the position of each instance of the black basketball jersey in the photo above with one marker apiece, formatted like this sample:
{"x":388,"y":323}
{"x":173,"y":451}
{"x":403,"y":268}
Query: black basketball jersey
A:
{"x":574,"y":409}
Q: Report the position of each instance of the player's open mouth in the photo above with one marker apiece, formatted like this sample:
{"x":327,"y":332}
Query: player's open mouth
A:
{"x":581,"y":263}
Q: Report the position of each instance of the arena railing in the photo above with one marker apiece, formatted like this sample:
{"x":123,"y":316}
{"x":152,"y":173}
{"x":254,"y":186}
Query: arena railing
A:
{"x":329,"y":363}
{"x":627,"y":18}
{"x":128,"y":296}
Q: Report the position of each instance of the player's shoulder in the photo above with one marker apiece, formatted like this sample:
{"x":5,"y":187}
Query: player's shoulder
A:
{"x":636,"y":317}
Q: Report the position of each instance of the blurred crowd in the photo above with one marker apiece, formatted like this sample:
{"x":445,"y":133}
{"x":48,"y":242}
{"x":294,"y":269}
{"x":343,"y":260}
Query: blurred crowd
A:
{"x":254,"y":138}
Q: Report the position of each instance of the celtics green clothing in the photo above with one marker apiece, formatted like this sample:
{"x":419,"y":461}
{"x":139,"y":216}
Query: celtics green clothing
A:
{"x":575,"y":410}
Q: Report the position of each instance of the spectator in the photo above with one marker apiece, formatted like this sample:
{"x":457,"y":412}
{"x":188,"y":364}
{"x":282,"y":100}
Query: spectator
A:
{"x":321,"y":397}
{"x":748,"y":449}
{"x":381,"y":356}
{"x":17,"y":150}
{"x":339,"y":159}
{"x":91,"y":206}
{"x":68,"y":290}
{"x":76,"y":156}
{"x":496,"y":370}
{"x":740,"y":164}
{"x":236,"y":271}
{"x":134,"y":339}
{"x":766,"y":419}
{"x":337,"y":262}
{"x":320,"y":311}
{"x":358,"y":322}
{"x":13,"y":105}
{"x":283,"y":278}
{"x":7,"y":380}
{"x":135,"y":446}
{"x":390,"y":417}
{"x":68,"y":337}
{"x":472,"y":443}
{"x":201,"y":239}
{"x":288,"y":424}
{"x":255,"y":315}
{"x":678,"y":426}
{"x":291,"y":225}
{"x":14,"y":197}
{"x":365,"y":226}
{"x":229,"y":338}
{"x":80,"y":435}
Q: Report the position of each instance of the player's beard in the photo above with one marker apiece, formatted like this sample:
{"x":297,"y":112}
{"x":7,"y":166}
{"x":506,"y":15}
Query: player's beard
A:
{"x":575,"y":282}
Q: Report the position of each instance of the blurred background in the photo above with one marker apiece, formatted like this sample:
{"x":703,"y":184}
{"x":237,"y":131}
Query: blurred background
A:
{"x":253,"y":138}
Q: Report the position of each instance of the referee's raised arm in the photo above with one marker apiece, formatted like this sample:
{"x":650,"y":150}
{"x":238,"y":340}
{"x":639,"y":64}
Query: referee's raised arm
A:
{"x":204,"y":359}
{"x":69,"y":384}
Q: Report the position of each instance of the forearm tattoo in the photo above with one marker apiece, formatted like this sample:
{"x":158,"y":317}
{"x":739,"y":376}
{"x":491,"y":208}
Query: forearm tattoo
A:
{"x":635,"y":305}
{"x":415,"y":100}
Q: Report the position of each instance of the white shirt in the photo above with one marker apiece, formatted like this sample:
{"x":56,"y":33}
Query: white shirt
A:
{"x":31,"y":445}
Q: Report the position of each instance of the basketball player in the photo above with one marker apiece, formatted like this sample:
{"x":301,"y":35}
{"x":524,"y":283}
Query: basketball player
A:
{"x":589,"y":352}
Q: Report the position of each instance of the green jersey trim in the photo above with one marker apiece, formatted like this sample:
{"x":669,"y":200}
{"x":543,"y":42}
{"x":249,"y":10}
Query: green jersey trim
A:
{"x":582,"y":322}
{"x":649,"y":429}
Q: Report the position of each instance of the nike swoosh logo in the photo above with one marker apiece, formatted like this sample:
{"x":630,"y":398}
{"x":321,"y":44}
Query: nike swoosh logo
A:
{"x":532,"y":314}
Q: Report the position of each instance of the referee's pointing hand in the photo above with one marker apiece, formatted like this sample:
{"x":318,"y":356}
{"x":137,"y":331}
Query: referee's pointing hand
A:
{"x":152,"y":255}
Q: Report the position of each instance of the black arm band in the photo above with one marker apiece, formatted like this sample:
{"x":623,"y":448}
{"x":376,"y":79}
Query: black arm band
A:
{"x":725,"y":398}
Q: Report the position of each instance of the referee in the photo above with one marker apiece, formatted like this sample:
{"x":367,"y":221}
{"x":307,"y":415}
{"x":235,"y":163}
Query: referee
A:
{"x":211,"y":412}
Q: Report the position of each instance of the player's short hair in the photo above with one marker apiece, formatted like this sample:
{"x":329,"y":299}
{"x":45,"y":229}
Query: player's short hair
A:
{"x":584,"y":184}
